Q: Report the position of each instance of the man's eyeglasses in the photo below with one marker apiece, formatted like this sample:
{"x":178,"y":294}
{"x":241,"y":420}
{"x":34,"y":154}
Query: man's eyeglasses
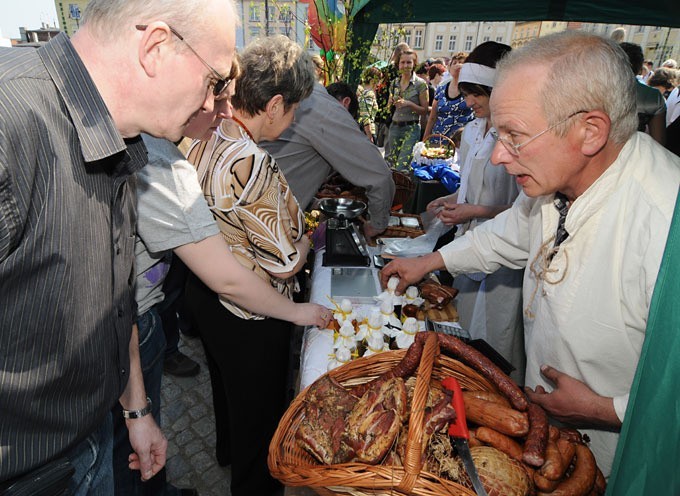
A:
{"x":222,"y":82}
{"x":514,"y":148}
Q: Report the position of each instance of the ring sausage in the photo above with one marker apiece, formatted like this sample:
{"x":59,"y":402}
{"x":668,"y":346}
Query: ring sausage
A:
{"x":582,"y":479}
{"x":487,"y":396}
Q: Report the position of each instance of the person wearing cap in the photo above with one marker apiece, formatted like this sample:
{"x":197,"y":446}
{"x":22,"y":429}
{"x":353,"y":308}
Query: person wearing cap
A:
{"x":489,"y":305}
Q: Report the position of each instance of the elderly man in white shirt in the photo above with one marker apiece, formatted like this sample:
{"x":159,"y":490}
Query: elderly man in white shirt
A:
{"x":590,"y":226}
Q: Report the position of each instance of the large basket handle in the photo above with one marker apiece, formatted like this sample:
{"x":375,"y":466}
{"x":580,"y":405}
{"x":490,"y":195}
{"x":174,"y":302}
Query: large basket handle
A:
{"x":413,"y":460}
{"x":451,"y":144}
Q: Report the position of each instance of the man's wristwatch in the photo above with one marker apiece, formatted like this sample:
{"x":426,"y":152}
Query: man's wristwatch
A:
{"x":135,"y":414}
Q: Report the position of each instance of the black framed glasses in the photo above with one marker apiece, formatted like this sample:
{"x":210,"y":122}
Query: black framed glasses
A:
{"x":513,"y":148}
{"x":221,"y":84}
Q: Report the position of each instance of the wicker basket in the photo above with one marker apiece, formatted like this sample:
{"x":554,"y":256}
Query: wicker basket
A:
{"x":293,"y":466}
{"x":403,"y":189}
{"x":420,"y":160}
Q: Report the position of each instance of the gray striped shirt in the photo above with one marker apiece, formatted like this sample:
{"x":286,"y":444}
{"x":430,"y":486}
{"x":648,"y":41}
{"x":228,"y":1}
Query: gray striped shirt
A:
{"x":66,"y":255}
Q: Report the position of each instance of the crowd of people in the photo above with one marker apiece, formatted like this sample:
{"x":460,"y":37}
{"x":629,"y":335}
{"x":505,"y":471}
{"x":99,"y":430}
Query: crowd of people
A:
{"x":560,"y":224}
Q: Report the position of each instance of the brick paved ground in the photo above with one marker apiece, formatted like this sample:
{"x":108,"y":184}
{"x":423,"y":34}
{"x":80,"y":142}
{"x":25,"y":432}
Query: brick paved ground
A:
{"x":189,"y":425}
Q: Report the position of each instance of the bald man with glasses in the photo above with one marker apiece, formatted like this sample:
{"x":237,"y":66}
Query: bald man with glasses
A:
{"x":70,"y":144}
{"x":590,"y":226}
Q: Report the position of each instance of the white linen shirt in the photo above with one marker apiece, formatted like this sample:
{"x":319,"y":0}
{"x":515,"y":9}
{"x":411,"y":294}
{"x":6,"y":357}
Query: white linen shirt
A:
{"x":587,"y":316}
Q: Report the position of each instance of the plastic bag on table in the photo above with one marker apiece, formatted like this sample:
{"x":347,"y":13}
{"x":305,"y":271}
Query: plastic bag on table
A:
{"x":422,"y":245}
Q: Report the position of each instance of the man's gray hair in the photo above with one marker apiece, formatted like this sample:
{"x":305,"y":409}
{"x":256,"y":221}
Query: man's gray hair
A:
{"x":109,"y":18}
{"x":586,"y":72}
{"x":272,"y":66}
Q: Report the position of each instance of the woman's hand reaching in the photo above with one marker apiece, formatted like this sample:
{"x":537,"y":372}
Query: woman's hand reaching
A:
{"x":312,"y":314}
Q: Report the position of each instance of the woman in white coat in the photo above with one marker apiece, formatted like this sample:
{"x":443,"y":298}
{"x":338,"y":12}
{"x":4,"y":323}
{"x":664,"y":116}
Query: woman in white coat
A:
{"x":489,"y":306}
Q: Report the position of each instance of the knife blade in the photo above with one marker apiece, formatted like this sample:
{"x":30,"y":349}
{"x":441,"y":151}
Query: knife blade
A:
{"x":458,"y":431}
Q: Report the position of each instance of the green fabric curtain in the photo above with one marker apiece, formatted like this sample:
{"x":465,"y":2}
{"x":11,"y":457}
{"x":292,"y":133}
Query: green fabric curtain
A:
{"x":648,"y":454}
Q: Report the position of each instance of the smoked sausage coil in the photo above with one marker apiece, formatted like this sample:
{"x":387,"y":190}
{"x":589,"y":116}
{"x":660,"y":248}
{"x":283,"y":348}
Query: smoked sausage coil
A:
{"x":582,"y":479}
{"x":486,"y":367}
{"x":537,"y":439}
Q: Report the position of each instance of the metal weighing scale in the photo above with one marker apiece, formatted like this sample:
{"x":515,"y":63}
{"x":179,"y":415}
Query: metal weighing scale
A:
{"x":345,"y":245}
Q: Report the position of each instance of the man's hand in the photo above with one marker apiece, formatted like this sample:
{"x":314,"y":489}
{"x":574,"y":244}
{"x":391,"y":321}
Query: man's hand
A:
{"x":149,"y":444}
{"x":573,"y":402}
{"x":410,"y":270}
{"x":438,"y":203}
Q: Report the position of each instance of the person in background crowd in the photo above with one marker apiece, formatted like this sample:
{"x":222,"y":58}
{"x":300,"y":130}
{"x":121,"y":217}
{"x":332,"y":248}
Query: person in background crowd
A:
{"x":449,"y":111}
{"x":435,"y":74}
{"x":670,"y":63}
{"x":456,"y":58}
{"x":261,"y":221}
{"x":347,"y":97}
{"x":319,"y":69}
{"x":368,"y":105}
{"x":618,"y":35}
{"x":317,"y":142}
{"x":664,"y":80}
{"x":408,"y":93}
{"x":489,"y":305}
{"x":382,"y":93}
{"x":70,"y":125}
{"x":651,"y":107}
{"x":593,"y":188}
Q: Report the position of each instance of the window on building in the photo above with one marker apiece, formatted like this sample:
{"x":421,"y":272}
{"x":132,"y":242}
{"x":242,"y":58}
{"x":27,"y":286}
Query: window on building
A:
{"x":640,"y":29}
{"x":418,"y":43}
{"x":487,"y":38}
{"x":254,"y":33}
{"x":407,"y":37}
{"x":554,"y":24}
{"x":439,"y":43}
{"x":499,"y":39}
{"x":310,"y":43}
{"x":272,"y":13}
{"x":452,"y":43}
{"x":254,"y":15}
{"x":468,"y":43}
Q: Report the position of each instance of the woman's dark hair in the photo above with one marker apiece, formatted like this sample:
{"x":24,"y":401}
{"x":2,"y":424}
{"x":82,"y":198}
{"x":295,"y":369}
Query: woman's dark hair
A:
{"x":488,"y":54}
{"x":434,"y":70}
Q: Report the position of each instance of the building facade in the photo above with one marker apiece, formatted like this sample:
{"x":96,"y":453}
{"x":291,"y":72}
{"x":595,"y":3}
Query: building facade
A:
{"x":69,"y":13}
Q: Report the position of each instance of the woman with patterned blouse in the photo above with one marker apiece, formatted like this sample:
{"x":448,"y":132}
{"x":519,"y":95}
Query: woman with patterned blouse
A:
{"x":261,"y":221}
{"x":449,"y":110}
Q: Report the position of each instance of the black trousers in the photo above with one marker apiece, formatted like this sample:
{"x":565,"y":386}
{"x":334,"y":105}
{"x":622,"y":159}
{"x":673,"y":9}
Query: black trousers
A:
{"x":248,"y":364}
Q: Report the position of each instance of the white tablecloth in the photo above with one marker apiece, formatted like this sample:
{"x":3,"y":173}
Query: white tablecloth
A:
{"x":317,"y":344}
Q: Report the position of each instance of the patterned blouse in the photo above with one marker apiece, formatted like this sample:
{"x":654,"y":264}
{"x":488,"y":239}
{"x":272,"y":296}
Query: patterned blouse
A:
{"x":415,"y":87}
{"x":452,"y":113}
{"x":254,"y":207}
{"x":368,"y":108}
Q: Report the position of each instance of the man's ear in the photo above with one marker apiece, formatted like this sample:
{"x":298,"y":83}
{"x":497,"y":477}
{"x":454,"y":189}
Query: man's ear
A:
{"x":345,"y":102}
{"x":596,"y":126}
{"x":154,"y":45}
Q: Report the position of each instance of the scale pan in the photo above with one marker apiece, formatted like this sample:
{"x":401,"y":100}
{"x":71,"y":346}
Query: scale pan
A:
{"x":342,"y":207}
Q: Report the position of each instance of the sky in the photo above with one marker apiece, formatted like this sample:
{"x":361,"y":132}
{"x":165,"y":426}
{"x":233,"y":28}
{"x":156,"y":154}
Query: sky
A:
{"x":28,"y":13}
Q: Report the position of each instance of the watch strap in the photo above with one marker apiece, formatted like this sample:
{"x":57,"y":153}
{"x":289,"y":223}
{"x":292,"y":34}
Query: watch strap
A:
{"x":135,"y":414}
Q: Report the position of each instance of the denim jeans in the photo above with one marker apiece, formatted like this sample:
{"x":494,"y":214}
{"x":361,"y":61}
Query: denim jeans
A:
{"x":151,"y":353}
{"x":92,"y":462}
